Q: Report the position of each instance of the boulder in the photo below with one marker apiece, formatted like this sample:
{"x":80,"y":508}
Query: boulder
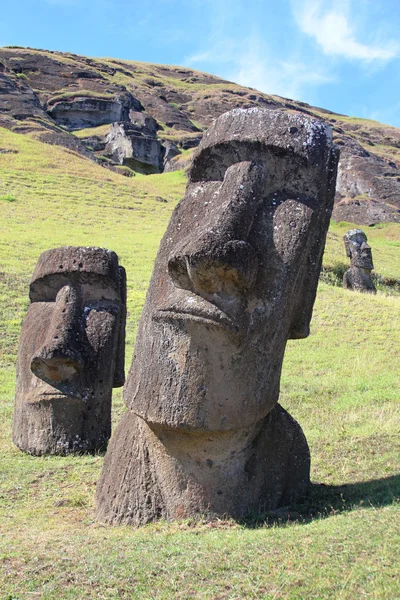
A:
{"x":170,"y":151}
{"x":134,"y":146}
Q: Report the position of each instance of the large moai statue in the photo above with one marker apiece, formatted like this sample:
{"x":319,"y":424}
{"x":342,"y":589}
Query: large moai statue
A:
{"x":235,"y":277}
{"x":71,"y":352}
{"x":358,"y":277}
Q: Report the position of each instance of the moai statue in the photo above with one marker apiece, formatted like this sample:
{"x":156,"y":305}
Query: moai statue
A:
{"x":358,"y":277}
{"x":235,"y":277}
{"x":71,"y":352}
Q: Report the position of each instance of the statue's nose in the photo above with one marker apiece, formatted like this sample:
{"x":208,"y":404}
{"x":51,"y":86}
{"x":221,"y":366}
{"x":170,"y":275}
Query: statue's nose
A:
{"x":365,"y":246}
{"x":227,"y":268}
{"x":59,"y":360}
{"x":219,"y":259}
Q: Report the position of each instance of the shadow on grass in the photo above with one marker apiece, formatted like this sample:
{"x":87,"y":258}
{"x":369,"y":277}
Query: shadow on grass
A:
{"x":324,"y":501}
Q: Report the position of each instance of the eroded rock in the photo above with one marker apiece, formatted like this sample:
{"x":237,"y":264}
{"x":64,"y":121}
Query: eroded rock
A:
{"x":81,"y":111}
{"x":235,"y":277}
{"x":71,"y":352}
{"x":358,"y":277}
{"x":134,"y":146}
{"x":368,"y":187}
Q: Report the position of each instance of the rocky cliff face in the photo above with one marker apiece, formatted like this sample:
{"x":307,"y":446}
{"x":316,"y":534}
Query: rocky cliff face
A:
{"x":147,"y":117}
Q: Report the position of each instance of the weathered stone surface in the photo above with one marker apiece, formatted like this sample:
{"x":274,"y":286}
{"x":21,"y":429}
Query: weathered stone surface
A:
{"x":81,"y":112}
{"x":358,"y":277}
{"x":191,"y":142}
{"x":20,"y":111}
{"x":235,"y":277}
{"x":136,"y":147}
{"x":157,"y":106}
{"x":149,"y":125}
{"x":71,"y":352}
{"x":135,"y":144}
{"x":368,"y":187}
{"x":170,"y":150}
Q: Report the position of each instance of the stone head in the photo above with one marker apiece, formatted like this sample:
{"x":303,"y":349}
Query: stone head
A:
{"x":358,"y":250}
{"x":236,"y":273}
{"x":71,"y":351}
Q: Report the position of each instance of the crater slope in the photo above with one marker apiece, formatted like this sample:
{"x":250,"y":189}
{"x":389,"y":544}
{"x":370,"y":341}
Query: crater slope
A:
{"x":141,"y":117}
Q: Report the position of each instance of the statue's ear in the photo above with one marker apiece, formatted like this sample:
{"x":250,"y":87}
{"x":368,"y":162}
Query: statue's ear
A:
{"x":119,"y":373}
{"x":347,"y":245}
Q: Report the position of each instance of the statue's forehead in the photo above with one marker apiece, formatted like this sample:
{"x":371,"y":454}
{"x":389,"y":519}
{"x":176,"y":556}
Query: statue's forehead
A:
{"x":249,"y":133}
{"x":77,"y":259}
{"x":93,"y":266}
{"x":355,"y":236}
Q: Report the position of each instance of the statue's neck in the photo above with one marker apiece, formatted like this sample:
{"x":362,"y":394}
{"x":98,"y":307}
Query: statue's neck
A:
{"x":201,"y":472}
{"x":363,"y":270}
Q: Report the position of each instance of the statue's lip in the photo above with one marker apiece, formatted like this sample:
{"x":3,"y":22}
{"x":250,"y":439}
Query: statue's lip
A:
{"x":48,"y":396}
{"x":204,"y":319}
{"x":197,"y":310}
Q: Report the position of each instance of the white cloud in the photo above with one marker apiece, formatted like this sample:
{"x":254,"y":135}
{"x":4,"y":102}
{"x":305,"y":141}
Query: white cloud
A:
{"x":331,"y":28}
{"x":387,"y":114}
{"x":222,"y":51}
{"x":281,"y":77}
{"x":250,"y":63}
{"x":251,"y":60}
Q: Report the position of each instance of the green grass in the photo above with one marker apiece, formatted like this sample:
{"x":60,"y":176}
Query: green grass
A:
{"x":100,"y":130}
{"x":341,"y":384}
{"x":71,"y":95}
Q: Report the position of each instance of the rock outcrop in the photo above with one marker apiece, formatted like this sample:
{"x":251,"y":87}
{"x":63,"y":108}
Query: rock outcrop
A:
{"x":138,"y":147}
{"x":52,"y":95}
{"x":82,"y":112}
{"x":368,"y":187}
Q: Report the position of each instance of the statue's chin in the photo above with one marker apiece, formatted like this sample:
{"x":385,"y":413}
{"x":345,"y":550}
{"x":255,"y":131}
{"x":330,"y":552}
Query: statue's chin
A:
{"x":211,"y":416}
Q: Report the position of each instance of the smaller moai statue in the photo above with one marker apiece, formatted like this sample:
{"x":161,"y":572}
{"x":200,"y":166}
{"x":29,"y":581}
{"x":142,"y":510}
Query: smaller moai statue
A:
{"x":358,"y":277}
{"x":71,"y":352}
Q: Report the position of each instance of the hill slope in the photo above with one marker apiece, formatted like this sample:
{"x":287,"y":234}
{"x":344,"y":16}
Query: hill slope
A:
{"x":140,"y":117}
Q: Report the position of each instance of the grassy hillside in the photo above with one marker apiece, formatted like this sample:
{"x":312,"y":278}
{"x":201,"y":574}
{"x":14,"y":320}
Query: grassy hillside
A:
{"x":341,"y":384}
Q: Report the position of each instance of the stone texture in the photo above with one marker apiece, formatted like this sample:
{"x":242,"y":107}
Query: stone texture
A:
{"x":235,"y":277}
{"x":149,"y":125}
{"x":81,"y":112}
{"x":71,"y":352}
{"x":157,"y":106}
{"x":170,"y":150}
{"x":358,"y":277}
{"x":368,"y":187}
{"x":134,"y":146}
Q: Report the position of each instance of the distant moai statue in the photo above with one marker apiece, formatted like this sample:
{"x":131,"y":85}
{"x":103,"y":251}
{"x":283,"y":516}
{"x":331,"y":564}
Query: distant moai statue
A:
{"x":71,"y":352}
{"x":235,"y":277}
{"x":358,"y":277}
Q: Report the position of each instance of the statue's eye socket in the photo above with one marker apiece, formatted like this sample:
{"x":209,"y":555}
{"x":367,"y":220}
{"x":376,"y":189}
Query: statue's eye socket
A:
{"x":89,"y":292}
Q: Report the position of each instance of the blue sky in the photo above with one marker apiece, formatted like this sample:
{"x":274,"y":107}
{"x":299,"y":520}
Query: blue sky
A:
{"x":342,"y":55}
